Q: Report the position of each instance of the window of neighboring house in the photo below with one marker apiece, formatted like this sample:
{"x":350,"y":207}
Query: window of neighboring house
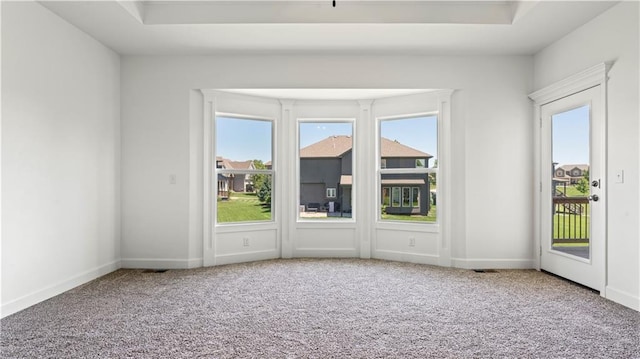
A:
{"x":325,"y":156}
{"x":406,"y":197}
{"x":383,"y":163}
{"x":415,"y":197}
{"x":395,"y":197}
{"x":244,"y":183}
{"x":410,"y":149}
{"x":386,"y":197}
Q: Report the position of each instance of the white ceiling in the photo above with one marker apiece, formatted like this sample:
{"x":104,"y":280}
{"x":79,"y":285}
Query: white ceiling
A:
{"x":315,"y":27}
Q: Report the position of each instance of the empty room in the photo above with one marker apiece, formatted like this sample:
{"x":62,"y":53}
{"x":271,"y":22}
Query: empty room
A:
{"x":320,"y":179}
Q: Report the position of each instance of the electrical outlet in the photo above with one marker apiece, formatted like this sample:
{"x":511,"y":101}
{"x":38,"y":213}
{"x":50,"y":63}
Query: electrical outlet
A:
{"x":412,"y":242}
{"x":245,"y":241}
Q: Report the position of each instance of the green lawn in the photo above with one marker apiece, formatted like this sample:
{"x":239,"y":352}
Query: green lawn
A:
{"x":430,"y":217}
{"x":571,"y":191}
{"x":242,"y":207}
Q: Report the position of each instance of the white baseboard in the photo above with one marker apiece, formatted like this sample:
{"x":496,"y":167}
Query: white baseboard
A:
{"x":161,"y":263}
{"x":492,"y":263}
{"x":41,"y":295}
{"x":430,"y":259}
{"x":325,"y":252}
{"x":622,"y":297}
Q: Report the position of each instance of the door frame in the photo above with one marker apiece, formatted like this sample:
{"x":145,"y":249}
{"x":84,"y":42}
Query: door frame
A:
{"x":591,"y":77}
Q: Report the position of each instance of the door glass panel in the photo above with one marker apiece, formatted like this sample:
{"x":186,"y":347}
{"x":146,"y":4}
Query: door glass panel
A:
{"x":326,"y":171}
{"x":570,"y":182}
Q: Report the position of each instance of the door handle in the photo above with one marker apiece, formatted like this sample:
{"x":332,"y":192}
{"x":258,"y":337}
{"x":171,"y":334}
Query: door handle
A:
{"x":593,"y":197}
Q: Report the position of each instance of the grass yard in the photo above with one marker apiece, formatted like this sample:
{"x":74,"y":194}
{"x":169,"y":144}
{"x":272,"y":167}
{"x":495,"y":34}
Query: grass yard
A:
{"x":430,"y":217}
{"x":571,"y":191}
{"x":242,"y":207}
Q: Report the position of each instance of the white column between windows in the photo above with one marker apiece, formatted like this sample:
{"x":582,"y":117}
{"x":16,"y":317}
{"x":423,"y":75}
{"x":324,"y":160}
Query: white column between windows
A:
{"x":287,"y":180}
{"x":365,"y":182}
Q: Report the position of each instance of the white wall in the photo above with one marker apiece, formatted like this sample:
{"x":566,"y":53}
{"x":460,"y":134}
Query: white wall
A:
{"x":492,"y":143}
{"x":611,"y":37}
{"x":60,"y":156}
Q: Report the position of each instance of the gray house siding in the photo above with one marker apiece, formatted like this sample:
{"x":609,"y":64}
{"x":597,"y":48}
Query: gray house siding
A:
{"x":314,"y":171}
{"x":395,"y":162}
{"x":318,"y":174}
{"x":312,"y":193}
{"x":347,"y":161}
{"x":238,"y":183}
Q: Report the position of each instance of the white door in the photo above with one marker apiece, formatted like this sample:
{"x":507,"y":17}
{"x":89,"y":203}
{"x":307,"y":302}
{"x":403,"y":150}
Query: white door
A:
{"x":573,"y":188}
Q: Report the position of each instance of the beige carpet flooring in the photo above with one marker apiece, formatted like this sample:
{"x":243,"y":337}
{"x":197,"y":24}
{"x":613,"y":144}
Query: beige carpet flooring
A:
{"x":324,"y":308}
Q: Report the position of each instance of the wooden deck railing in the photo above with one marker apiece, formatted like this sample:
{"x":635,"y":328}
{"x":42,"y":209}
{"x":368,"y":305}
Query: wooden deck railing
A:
{"x":571,"y":219}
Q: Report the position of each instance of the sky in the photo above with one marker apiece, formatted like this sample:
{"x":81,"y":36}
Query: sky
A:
{"x":420,"y":133}
{"x":570,"y":132}
{"x":243,"y":139}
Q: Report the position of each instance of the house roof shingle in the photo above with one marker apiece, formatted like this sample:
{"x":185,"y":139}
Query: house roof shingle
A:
{"x":390,"y":148}
{"x":337,"y":146}
{"x":241,"y":165}
{"x":332,"y":146}
{"x":234,"y":165}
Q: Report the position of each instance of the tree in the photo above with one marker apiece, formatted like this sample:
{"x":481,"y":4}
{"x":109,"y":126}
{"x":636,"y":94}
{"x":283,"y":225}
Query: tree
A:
{"x":264,"y":191}
{"x":583,"y":185}
{"x":258,"y":179}
{"x":432,"y":176}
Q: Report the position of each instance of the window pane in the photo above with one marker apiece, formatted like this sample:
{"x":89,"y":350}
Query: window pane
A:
{"x":386,"y":196}
{"x":570,"y":183}
{"x":244,"y":205}
{"x":410,"y":143}
{"x":243,"y":144}
{"x":395,"y":197}
{"x":326,"y":170}
{"x":415,"y":197}
{"x":406,"y":197}
{"x":239,"y":141}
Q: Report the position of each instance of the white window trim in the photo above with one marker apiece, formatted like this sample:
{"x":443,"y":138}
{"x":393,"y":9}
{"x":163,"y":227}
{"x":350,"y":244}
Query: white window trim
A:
{"x":242,"y":106}
{"x":438,"y":102}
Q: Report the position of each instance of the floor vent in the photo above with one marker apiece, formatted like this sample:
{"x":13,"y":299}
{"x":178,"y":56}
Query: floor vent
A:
{"x":485,"y":271}
{"x":154,"y":270}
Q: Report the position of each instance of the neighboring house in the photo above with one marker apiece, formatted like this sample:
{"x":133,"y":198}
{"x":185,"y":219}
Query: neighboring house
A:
{"x":234,"y":182}
{"x":570,"y":173}
{"x":326,"y":176}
